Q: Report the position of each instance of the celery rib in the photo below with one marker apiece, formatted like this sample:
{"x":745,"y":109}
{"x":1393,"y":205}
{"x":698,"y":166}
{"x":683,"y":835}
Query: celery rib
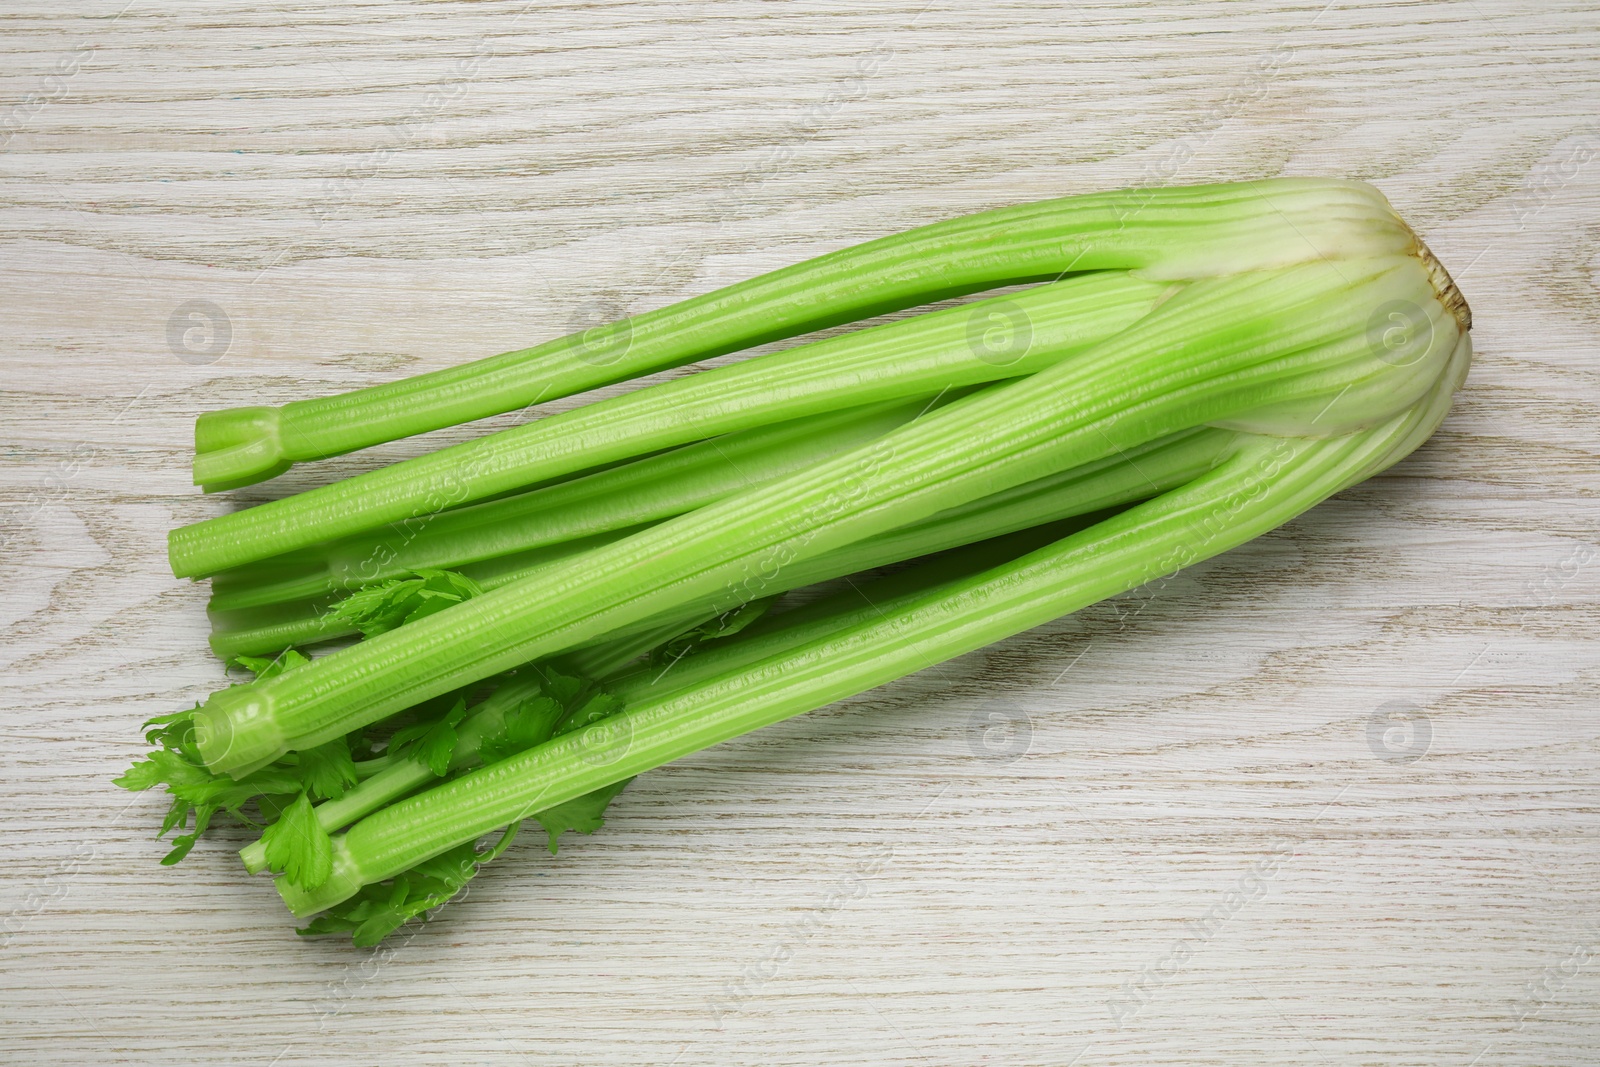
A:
{"x":1266,"y":482}
{"x":1218,"y":349}
{"x":1129,"y":476}
{"x":1168,"y":233}
{"x":618,"y":498}
{"x":921,"y":356}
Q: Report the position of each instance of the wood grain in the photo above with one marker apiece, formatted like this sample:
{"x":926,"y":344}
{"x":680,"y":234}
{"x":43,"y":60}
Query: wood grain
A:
{"x":1200,"y":848}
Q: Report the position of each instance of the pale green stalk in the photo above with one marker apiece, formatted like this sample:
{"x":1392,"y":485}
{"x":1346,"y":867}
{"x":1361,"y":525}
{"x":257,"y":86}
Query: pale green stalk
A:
{"x":615,"y":499}
{"x":1168,"y":233}
{"x":921,"y":356}
{"x":1266,"y":482}
{"x":403,"y":776}
{"x":1218,"y":350}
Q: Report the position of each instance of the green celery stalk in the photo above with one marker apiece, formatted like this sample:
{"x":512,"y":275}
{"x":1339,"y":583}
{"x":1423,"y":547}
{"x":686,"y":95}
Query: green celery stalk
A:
{"x":1264,"y":483}
{"x":1167,"y":233}
{"x":859,"y":602}
{"x":921,"y":356}
{"x":1217,"y":350}
{"x":618,"y":498}
{"x":270,"y":628}
{"x":1131,"y":475}
{"x":402,"y":776}
{"x":1124,"y":478}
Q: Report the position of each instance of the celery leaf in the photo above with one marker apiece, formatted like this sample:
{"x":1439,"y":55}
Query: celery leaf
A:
{"x":585,"y":814}
{"x":389,"y":605}
{"x":379,"y":909}
{"x":563,"y":688}
{"x":529,"y":723}
{"x":727,"y":624}
{"x":298,"y":846}
{"x":264,"y":667}
{"x":327,"y":770}
{"x":430,"y":743}
{"x":599,"y":706}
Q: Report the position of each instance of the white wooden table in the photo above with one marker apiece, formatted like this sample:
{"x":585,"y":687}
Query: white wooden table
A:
{"x":1201,"y":845}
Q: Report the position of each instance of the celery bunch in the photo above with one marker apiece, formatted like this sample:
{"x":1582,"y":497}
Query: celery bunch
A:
{"x":548,"y":611}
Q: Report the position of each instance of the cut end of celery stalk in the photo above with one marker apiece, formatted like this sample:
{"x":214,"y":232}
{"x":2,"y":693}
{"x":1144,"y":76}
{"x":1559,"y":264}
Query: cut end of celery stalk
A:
{"x":1444,"y":286}
{"x":236,"y":731}
{"x":343,"y":882}
{"x":236,"y":447}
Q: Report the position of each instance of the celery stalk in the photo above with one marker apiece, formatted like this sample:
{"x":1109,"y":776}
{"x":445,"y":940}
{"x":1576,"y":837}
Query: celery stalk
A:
{"x":1124,"y":478}
{"x":921,"y":356}
{"x":1217,"y":350}
{"x":1264,"y":483}
{"x":1131,"y":475}
{"x":618,"y":498}
{"x":1168,"y":233}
